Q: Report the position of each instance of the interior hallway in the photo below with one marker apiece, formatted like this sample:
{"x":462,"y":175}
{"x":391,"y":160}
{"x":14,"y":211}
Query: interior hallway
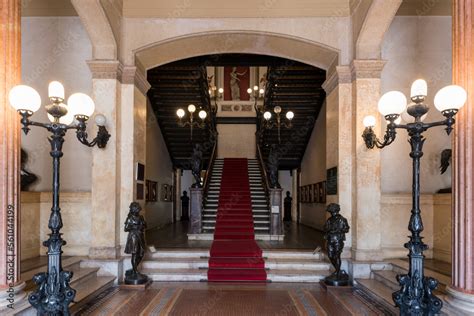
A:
{"x":297,"y":236}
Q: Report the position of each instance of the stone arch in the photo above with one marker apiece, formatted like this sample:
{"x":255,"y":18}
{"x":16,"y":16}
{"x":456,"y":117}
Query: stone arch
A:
{"x":264,"y":43}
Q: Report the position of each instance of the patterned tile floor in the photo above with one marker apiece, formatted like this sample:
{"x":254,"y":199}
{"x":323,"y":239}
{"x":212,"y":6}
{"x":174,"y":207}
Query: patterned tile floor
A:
{"x":183,"y":299}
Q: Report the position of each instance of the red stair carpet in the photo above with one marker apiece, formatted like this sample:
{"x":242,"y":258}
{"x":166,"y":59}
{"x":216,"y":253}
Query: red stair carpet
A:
{"x":235,"y":256}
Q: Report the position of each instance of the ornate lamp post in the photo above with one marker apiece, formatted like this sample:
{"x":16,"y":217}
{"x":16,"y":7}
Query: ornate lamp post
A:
{"x":190,"y":122}
{"x":416,"y":294}
{"x":268,"y":124}
{"x":53,"y":295}
{"x":256,"y":94}
{"x":215,"y":94}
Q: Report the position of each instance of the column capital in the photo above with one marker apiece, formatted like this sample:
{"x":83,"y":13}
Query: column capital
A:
{"x":366,"y":69}
{"x":342,"y":74}
{"x":113,"y":69}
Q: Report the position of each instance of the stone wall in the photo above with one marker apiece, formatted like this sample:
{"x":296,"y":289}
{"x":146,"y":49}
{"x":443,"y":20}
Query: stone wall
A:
{"x":56,"y":48}
{"x":313,"y":170}
{"x":76,"y":215}
{"x":236,"y":141}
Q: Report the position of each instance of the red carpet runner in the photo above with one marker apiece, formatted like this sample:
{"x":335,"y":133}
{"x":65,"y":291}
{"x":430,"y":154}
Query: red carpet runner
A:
{"x":235,"y":256}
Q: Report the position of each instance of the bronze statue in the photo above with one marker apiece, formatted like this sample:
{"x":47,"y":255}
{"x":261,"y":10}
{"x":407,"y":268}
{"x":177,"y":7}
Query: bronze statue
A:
{"x":185,"y":206}
{"x":27,"y":178}
{"x":135,"y":226}
{"x":445,"y":160}
{"x":335,"y":229}
{"x":196,"y":165}
{"x":287,"y":207}
{"x":272,"y":164}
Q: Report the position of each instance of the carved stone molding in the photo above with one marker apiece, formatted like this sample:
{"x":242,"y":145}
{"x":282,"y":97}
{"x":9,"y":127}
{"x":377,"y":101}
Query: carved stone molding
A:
{"x":366,"y":69}
{"x":341,"y":75}
{"x":113,"y":69}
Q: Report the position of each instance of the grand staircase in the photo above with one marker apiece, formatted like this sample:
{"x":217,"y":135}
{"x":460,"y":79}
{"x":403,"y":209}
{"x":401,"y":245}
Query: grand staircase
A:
{"x":260,"y":207}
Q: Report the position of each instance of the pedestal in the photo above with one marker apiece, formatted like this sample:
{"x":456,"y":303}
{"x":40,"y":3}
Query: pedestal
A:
{"x":195,"y":210}
{"x":275,"y":211}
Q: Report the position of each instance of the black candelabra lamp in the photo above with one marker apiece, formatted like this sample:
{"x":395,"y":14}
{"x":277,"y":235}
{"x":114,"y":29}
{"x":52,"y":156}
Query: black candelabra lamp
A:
{"x":416,"y":294}
{"x":190,"y":121}
{"x":54,"y":294}
{"x":278,"y":123}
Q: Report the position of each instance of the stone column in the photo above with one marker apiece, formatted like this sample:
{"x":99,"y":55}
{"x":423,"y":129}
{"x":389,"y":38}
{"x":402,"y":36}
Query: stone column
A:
{"x":178,"y":192}
{"x":339,"y":131}
{"x":366,"y":234}
{"x":106,"y":184}
{"x":276,"y":211}
{"x":461,"y":291}
{"x":195,"y":209}
{"x":10,"y":75}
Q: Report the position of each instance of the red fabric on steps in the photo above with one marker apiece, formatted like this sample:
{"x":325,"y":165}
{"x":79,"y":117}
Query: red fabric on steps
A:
{"x":235,"y":256}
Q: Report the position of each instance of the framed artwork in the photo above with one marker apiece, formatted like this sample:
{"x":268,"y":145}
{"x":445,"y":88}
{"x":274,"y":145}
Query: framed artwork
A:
{"x":236,"y":83}
{"x":311,"y":193}
{"x":151,"y":188}
{"x":166,"y":192}
{"x":306,"y":194}
{"x":315,"y":193}
{"x":303,"y":195}
{"x":140,"y":172}
{"x":322,"y":192}
{"x":140,"y":189}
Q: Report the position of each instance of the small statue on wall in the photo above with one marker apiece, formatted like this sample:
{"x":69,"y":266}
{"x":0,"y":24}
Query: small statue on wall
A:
{"x":272,"y":164}
{"x":196,"y":165}
{"x":27,"y":178}
{"x":135,"y":226}
{"x":335,"y":229}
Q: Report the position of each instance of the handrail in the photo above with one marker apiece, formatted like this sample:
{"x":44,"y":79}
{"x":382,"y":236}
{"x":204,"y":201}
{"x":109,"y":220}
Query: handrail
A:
{"x":263,"y":168}
{"x":207,"y":177}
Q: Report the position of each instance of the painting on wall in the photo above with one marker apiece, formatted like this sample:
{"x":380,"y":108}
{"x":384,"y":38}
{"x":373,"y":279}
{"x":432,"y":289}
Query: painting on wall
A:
{"x":140,"y":190}
{"x":236,"y":83}
{"x":151,"y":188}
{"x":322,"y":192}
{"x":166,"y":193}
{"x":140,"y":172}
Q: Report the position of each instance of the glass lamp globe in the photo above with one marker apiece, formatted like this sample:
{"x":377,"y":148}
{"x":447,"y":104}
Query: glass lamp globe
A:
{"x":221,"y":90}
{"x":369,"y":121}
{"x":191,"y":108}
{"x":267,"y":115}
{"x":419,"y":88}
{"x":202,"y":114}
{"x":100,"y":120}
{"x":249,"y":90}
{"x":80,"y":104}
{"x":290,"y":115}
{"x":24,"y":98}
{"x":392,"y":103}
{"x":255,"y":88}
{"x":261,"y":91}
{"x":56,"y":90}
{"x":180,"y":113}
{"x":450,"y":97}
{"x":277,"y":109}
{"x":65,"y":119}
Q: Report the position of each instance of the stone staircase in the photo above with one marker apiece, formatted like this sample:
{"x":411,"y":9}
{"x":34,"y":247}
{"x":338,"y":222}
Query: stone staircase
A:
{"x":192,"y":265}
{"x":85,"y":281}
{"x":383,"y":283}
{"x":260,"y":207}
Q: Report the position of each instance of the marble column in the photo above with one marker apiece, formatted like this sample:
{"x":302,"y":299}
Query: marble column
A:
{"x":10,"y":75}
{"x":461,"y":291}
{"x":366,"y":234}
{"x":177,"y":188}
{"x":276,"y":211}
{"x":294,"y":195}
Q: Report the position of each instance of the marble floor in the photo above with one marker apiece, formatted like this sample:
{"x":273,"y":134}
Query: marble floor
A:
{"x":233,"y":299}
{"x":174,"y":235}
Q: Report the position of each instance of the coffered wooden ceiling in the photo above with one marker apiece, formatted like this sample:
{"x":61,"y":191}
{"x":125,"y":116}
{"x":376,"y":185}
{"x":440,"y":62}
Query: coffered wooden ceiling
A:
{"x":292,"y":85}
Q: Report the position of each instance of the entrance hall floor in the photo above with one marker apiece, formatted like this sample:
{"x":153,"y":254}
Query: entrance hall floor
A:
{"x":174,"y":235}
{"x":233,"y":299}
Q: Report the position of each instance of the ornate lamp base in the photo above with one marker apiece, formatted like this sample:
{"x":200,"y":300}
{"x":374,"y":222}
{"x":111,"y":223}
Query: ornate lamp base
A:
{"x":135,"y":278}
{"x":337,"y":279}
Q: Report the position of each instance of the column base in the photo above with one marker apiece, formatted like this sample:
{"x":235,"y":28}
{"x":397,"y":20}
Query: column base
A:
{"x":12,"y":296}
{"x":460,"y":301}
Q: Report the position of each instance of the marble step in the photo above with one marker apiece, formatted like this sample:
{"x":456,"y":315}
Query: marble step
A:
{"x":68,"y":264}
{"x":294,"y":275}
{"x":177,"y":275}
{"x":210,"y":227}
{"x":401,"y":267}
{"x":378,"y":291}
